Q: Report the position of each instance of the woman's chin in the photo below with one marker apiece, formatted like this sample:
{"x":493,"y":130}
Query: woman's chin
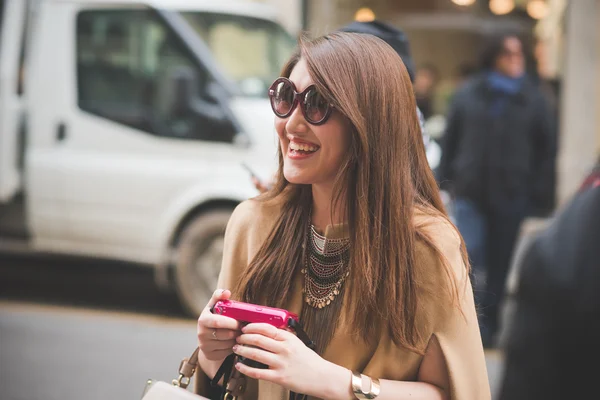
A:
{"x":297,"y":177}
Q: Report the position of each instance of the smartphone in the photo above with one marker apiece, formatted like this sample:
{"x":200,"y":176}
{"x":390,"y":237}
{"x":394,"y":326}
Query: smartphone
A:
{"x":250,"y":171}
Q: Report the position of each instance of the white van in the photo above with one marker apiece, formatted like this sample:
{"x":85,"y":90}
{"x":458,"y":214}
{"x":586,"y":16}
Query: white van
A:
{"x":124,"y":124}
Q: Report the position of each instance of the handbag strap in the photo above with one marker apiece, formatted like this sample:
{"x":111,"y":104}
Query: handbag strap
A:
{"x":187,"y":368}
{"x":224,"y":371}
{"x":233,"y":381}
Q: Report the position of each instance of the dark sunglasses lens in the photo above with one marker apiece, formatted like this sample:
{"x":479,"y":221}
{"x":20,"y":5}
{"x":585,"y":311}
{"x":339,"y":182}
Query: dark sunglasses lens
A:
{"x":282,"y":98}
{"x":315,"y":106}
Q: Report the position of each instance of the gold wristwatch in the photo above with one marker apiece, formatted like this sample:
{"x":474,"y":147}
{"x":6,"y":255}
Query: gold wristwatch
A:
{"x":358,"y":388}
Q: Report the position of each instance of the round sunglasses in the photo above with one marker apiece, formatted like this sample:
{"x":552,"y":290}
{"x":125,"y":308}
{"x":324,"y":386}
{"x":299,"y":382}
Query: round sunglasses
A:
{"x":284,"y":99}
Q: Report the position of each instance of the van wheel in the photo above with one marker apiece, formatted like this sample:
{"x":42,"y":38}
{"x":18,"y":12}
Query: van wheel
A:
{"x":200,"y":251}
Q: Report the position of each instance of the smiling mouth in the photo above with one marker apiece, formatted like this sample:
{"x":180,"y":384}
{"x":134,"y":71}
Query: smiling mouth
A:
{"x":302,"y":149}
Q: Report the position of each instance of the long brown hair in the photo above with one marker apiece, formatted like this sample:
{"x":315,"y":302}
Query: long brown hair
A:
{"x":383,"y":179}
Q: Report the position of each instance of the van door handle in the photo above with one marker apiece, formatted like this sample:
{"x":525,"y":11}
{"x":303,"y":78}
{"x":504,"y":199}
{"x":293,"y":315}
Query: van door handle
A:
{"x":61,"y":132}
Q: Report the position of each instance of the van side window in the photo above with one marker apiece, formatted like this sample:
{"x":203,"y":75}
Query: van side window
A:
{"x":127,"y":64}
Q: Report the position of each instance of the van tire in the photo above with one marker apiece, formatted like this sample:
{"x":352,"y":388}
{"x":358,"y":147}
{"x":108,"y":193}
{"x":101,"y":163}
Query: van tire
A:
{"x":199,"y":255}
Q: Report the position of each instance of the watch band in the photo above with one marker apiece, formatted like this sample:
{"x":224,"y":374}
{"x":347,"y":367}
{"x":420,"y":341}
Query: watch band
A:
{"x":358,"y":390}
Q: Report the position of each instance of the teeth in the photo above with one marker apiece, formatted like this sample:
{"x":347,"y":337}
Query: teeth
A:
{"x":303,"y":147}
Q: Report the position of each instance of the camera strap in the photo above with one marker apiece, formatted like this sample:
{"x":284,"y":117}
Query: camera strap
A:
{"x":297,"y":327}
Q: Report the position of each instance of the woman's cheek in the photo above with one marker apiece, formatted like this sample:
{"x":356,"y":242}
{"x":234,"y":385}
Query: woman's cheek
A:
{"x":280,"y":127}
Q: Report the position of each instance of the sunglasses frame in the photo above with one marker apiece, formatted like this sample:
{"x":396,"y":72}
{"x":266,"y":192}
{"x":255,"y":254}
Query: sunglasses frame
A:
{"x":298,"y":99}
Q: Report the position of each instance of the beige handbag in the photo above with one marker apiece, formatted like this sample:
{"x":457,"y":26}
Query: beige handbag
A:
{"x":176,"y":390}
{"x":166,"y":391}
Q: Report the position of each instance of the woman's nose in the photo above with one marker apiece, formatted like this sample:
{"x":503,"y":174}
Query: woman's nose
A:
{"x":296,"y":121}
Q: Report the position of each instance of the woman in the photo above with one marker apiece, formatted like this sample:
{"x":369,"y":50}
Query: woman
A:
{"x":353,"y":238}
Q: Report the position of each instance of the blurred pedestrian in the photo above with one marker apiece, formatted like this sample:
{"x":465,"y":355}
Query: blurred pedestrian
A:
{"x":352,"y":237}
{"x":426,"y":80}
{"x":463,"y":73}
{"x":498,"y":162}
{"x":552,"y":344}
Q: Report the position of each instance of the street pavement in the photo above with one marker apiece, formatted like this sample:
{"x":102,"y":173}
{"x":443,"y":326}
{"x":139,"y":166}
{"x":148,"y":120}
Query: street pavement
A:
{"x":72,"y":330}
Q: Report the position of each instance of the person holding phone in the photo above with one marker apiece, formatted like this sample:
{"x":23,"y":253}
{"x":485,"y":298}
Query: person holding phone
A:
{"x":261,"y":186}
{"x":354,"y":239}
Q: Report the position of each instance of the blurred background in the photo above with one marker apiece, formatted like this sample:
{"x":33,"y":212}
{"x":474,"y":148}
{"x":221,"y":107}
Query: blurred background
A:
{"x":130,"y":129}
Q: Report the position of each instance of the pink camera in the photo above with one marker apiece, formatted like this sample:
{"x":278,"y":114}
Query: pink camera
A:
{"x":252,"y":313}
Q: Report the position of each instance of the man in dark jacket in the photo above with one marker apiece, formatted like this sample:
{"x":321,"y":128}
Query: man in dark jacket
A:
{"x":552,"y":348}
{"x":498,"y":162}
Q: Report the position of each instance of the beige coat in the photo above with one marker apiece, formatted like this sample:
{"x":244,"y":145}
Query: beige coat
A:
{"x":457,"y":333}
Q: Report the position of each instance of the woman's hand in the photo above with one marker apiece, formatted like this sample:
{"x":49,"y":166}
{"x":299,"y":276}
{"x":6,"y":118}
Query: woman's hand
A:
{"x":262,"y":187}
{"x":216,"y":333}
{"x":291,"y":364}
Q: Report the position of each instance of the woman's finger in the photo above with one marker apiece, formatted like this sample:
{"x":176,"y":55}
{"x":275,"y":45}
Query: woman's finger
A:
{"x":206,"y":315}
{"x":214,"y":321}
{"x":219,"y":294}
{"x":261,"y":341}
{"x":256,"y":354}
{"x":268,"y":331}
{"x":256,"y":373}
{"x":222,"y":334}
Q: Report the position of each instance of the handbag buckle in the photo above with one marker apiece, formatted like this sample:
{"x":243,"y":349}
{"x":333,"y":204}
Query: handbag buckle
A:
{"x":229,"y":396}
{"x":181,"y":381}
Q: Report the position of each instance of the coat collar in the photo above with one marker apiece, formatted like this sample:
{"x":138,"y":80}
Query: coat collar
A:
{"x":482,"y":86}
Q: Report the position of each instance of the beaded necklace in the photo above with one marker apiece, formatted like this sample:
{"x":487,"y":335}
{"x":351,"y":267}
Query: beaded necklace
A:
{"x":325,"y":269}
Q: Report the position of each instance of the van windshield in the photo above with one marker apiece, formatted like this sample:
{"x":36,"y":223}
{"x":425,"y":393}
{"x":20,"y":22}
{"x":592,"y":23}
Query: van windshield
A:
{"x":251,"y":51}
